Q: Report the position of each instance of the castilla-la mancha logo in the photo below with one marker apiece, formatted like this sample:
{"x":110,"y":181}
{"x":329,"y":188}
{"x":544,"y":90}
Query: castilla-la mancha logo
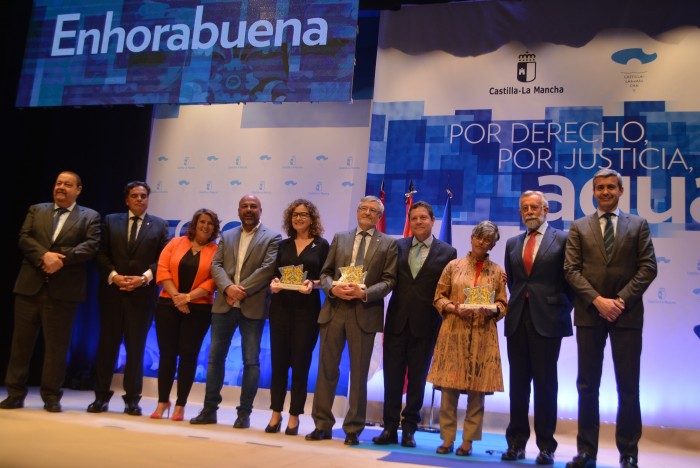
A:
{"x":527,"y":67}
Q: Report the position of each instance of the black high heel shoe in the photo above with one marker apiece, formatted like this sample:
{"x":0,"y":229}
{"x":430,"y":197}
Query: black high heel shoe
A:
{"x":292,"y":430}
{"x":274,"y":429}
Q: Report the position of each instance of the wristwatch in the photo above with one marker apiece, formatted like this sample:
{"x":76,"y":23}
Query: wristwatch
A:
{"x":621,"y":300}
{"x":144,"y":280}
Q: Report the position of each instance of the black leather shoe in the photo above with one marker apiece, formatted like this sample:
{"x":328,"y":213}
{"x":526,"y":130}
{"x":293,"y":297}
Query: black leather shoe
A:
{"x":407,"y":439}
{"x":460,"y":452}
{"x":444,"y":450}
{"x":98,"y":406}
{"x":582,"y":460}
{"x":319,"y":434}
{"x":206,"y":416}
{"x":351,"y":439}
{"x":386,"y":437}
{"x":628,"y":461}
{"x":545,"y":458}
{"x":243,"y":421}
{"x":133,"y":409}
{"x":12,"y":403}
{"x":53,"y":406}
{"x":513,"y":453}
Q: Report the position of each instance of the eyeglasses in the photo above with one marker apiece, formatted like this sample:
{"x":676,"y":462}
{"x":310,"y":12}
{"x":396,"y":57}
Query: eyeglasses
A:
{"x":374,"y":211}
{"x":483,"y":240}
{"x":301,"y":215}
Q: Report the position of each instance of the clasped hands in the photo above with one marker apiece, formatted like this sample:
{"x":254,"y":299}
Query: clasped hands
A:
{"x":235,"y":293}
{"x":51,"y":262}
{"x":127,"y":282}
{"x":609,"y":309}
{"x":348,"y":291}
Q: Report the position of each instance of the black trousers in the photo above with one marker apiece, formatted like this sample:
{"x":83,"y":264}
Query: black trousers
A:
{"x":293,"y":336}
{"x":127,"y":316}
{"x":55,"y":320}
{"x":180,"y":338}
{"x":533,"y":361}
{"x":407,"y":361}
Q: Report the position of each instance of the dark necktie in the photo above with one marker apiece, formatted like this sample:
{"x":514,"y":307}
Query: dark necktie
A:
{"x":529,"y":252}
{"x":360,"y":257}
{"x":134,"y":229}
{"x":608,"y":234}
{"x":56,"y":217}
{"x":414,"y":260}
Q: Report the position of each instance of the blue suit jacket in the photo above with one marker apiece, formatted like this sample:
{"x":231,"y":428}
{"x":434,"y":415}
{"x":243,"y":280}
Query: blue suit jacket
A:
{"x":550,"y":296}
{"x":412,"y":298}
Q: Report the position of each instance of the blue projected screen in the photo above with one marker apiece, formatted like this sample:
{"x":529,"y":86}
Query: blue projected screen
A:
{"x":107,"y":52}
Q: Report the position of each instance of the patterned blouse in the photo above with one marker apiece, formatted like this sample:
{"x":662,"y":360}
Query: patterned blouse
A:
{"x":467,"y":355}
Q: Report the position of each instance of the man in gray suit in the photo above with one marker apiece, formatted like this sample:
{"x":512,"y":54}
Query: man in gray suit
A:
{"x":242,"y":268}
{"x":354,"y":314}
{"x":57,"y":240}
{"x":539,"y":316}
{"x":610,"y":263}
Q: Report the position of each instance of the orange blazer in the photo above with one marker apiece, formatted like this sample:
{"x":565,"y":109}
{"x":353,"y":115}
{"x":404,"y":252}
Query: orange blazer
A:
{"x":169,"y":261}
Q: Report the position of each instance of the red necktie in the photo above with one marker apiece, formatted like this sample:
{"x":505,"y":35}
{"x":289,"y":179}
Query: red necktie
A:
{"x":529,"y":253}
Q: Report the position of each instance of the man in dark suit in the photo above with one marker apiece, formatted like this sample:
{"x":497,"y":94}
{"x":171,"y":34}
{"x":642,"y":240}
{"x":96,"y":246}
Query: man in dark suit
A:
{"x":127,"y":262}
{"x":610,"y":263}
{"x":352,"y":313}
{"x":412,"y":325}
{"x":243,"y":267}
{"x":539,"y":316}
{"x":57,"y":240}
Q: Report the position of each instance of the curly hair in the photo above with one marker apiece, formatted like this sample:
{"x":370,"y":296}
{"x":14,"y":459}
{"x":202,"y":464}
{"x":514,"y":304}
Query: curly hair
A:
{"x":192,"y":227}
{"x":316,"y":228}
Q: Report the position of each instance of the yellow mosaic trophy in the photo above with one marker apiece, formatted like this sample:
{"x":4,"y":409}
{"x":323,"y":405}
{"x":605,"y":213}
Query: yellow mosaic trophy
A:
{"x":293,"y":277}
{"x":479,"y":297}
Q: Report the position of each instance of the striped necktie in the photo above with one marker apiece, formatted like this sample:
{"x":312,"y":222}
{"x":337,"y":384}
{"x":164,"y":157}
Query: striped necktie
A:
{"x":609,"y":233}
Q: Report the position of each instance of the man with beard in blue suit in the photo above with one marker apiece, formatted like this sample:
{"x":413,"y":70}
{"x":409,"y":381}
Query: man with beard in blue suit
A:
{"x":539,"y":316}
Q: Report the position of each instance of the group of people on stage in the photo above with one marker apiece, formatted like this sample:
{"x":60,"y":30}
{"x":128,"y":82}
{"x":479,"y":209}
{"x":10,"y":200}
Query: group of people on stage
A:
{"x":222,"y":281}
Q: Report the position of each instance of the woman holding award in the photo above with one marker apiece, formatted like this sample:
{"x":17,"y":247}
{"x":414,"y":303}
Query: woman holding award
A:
{"x":296,"y":303}
{"x":467,"y":358}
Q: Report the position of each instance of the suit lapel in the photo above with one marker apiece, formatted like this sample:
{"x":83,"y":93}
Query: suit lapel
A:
{"x":518,"y":260}
{"x":373,"y":244}
{"x":348,"y":244}
{"x":594,"y":224}
{"x":623,"y":224}
{"x":545,"y":245}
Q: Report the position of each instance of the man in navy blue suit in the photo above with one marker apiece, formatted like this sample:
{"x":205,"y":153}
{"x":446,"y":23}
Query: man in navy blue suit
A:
{"x":412,"y":325}
{"x":539,"y":316}
{"x":127,"y":261}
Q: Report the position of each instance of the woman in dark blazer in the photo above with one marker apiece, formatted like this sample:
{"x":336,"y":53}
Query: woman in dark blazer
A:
{"x":294,"y":313}
{"x":183,"y":312}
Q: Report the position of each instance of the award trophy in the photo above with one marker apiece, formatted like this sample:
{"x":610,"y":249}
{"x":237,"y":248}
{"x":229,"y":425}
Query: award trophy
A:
{"x":351,"y":275}
{"x":479,"y":297}
{"x":293,"y":277}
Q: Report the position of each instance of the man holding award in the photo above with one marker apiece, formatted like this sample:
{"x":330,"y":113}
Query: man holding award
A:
{"x":354,"y":313}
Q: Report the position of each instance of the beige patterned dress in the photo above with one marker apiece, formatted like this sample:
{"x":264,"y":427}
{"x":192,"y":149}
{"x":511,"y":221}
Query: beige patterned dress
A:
{"x":467,"y":355}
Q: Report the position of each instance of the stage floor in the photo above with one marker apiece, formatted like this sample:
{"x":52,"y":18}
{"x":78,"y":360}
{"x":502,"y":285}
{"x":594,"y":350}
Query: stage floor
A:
{"x":31,"y":437}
